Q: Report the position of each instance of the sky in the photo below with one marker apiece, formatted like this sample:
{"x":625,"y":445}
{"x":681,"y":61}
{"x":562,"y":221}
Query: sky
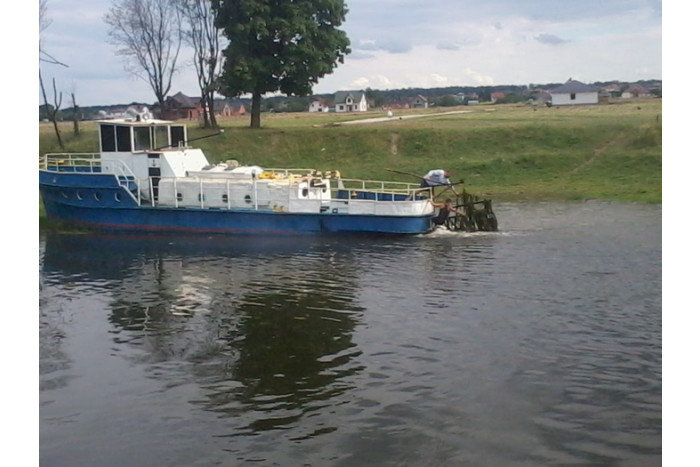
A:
{"x":403,"y":44}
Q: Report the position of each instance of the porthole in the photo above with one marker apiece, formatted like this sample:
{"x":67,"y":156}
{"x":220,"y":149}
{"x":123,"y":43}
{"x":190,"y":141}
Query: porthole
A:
{"x":201,"y":197}
{"x":98,"y":196}
{"x":64,"y":194}
{"x":79,"y":195}
{"x":305,"y":192}
{"x":179,"y":197}
{"x":224,"y":198}
{"x":118,"y":197}
{"x":247,"y":199}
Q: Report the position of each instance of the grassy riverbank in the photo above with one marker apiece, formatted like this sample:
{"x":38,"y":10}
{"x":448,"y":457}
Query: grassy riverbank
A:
{"x":607,"y":151}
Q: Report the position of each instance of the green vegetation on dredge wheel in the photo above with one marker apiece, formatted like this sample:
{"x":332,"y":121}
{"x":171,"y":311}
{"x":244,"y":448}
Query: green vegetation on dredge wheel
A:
{"x":606,"y":151}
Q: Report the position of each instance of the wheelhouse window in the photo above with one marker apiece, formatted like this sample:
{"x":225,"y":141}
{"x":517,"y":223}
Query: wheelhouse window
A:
{"x":107,"y":139}
{"x":120,"y":137}
{"x":142,"y":138}
{"x":115,"y":138}
{"x":160,"y":137}
{"x":123,"y":138}
{"x":177,"y":135}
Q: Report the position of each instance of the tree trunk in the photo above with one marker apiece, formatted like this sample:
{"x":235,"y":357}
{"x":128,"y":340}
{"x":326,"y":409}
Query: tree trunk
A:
{"x":255,"y":110}
{"x":76,"y":125}
{"x":163,"y":111}
{"x":206,"y":111}
{"x":212,"y":111}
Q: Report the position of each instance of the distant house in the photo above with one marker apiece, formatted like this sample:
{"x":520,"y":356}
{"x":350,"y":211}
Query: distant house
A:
{"x":228,"y":109}
{"x":635,"y":90}
{"x":320,"y":105}
{"x":419,"y":102}
{"x":497,"y":96}
{"x":182,"y":106}
{"x":469,"y":99}
{"x":540,"y":96}
{"x":611,"y":88}
{"x":416,"y":102}
{"x":574,"y":93}
{"x":350,"y":101}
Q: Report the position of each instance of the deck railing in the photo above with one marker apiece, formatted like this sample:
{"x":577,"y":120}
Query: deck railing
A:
{"x":378,"y":190}
{"x":92,"y":163}
{"x":56,"y":161}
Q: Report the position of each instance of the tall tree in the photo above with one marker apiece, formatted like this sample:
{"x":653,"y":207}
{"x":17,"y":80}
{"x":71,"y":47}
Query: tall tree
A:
{"x":147,"y":33}
{"x":279,"y":45}
{"x":205,"y":39}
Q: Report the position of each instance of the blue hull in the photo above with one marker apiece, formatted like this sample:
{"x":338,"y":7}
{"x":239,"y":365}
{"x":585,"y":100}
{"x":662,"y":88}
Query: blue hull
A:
{"x":98,"y":201}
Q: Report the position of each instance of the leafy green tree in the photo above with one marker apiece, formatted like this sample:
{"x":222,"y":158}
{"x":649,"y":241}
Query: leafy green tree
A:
{"x":376,"y":98}
{"x":279,"y":45}
{"x":447,"y":101}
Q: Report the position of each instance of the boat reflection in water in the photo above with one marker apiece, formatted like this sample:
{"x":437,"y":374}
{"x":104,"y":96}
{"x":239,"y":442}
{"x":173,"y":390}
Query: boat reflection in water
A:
{"x":265,"y":330}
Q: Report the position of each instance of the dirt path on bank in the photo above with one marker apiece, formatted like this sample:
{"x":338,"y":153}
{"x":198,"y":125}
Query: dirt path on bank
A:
{"x":396,"y":118}
{"x":596,"y":154}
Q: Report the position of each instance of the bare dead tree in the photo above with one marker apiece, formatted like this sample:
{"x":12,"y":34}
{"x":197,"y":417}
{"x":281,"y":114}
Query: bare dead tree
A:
{"x":76,"y":118}
{"x":147,"y":34}
{"x":205,"y":39}
{"x":52,"y":111}
{"x":44,"y":22}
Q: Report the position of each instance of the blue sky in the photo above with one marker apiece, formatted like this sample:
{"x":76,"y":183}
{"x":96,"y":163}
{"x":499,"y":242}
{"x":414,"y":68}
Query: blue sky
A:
{"x":407,"y":43}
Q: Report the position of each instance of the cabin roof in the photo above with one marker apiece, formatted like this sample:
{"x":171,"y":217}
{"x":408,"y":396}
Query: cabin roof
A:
{"x":135,"y":122}
{"x":573,"y":86}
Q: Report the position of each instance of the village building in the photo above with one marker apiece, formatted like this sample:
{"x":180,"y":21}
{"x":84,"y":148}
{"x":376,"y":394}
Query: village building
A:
{"x":497,"y":96}
{"x":181,"y":106}
{"x":574,"y":93}
{"x":320,"y":105}
{"x":350,"y":101}
{"x":635,"y":90}
{"x":228,"y":109}
{"x":419,"y":102}
{"x":415,"y":102}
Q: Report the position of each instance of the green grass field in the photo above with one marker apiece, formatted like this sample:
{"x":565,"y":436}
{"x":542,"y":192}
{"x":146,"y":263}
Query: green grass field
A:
{"x":505,"y":152}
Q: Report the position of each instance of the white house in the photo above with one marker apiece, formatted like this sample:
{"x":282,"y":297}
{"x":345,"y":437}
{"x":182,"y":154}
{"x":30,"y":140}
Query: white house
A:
{"x":350,"y":101}
{"x":636,"y":90}
{"x":419,"y":102}
{"x":319,"y":105}
{"x":574,"y":93}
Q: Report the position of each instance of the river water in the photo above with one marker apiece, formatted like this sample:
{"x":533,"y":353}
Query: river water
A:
{"x":536,"y":345}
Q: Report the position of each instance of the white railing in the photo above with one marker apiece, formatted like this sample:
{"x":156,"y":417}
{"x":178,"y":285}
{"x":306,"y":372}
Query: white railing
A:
{"x":58,"y":160}
{"x":92,"y":163}
{"x":407,"y":191}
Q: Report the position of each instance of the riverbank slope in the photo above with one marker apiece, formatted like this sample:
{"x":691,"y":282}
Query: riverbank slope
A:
{"x":505,"y":152}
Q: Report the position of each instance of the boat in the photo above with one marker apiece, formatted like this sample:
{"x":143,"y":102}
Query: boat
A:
{"x":147,"y":177}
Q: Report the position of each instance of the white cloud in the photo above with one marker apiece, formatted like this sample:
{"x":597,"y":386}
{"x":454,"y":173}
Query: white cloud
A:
{"x":411,"y":43}
{"x":473,"y":78}
{"x":447,"y":46}
{"x":550,"y":39}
